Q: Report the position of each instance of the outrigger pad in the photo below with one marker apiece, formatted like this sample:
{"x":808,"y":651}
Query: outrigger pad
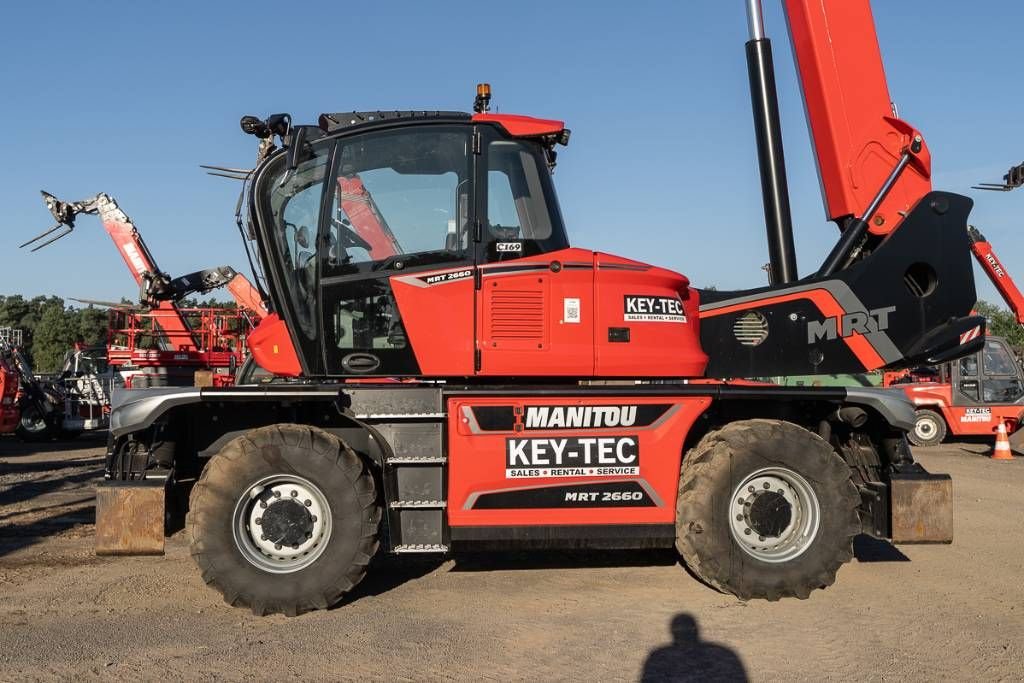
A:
{"x":130,"y":517}
{"x":922,"y":508}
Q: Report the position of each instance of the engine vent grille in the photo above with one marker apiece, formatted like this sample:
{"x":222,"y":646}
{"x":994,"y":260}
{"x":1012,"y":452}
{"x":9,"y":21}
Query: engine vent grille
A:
{"x":750,"y":329}
{"x":517,"y":315}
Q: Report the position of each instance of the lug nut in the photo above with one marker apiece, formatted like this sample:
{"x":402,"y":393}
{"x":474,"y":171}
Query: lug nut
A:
{"x":295,"y":547}
{"x":277,"y":546}
{"x":263,"y":537}
{"x":746,"y":531}
{"x":739,"y":518}
{"x":750,"y":489}
{"x":739,"y":501}
{"x":313,"y":517}
{"x":263,"y":504}
{"x":277,"y":494}
{"x":308,"y":502}
{"x":295,"y":494}
{"x":259,"y":520}
{"x":767,"y":485}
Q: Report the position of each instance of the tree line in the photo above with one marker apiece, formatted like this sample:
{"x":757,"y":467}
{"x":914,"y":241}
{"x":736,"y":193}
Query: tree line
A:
{"x":50,"y":326}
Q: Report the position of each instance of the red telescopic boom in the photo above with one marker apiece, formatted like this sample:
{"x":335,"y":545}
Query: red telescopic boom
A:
{"x":858,"y":138}
{"x":1000,"y":277}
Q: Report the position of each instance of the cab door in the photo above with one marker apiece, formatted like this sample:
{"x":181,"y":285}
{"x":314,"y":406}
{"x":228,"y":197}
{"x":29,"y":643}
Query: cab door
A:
{"x":967,"y":380}
{"x":396,"y":256}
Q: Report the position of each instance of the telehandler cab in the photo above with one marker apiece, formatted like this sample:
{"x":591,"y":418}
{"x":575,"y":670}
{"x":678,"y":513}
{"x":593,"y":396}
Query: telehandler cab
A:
{"x":464,"y":378}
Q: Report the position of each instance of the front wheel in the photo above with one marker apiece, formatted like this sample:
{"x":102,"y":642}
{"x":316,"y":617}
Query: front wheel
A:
{"x":766,"y":509}
{"x":284,"y":519}
{"x":929,"y":428}
{"x":33,"y":425}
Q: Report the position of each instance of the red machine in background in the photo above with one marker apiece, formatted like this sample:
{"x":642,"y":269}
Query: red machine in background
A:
{"x":146,"y":355}
{"x":970,"y":396}
{"x":162,"y":343}
{"x":10,"y":414}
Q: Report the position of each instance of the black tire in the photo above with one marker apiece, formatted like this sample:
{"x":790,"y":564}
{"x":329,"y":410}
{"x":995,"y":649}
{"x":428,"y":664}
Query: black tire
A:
{"x":731,"y":456}
{"x":929,"y":428}
{"x":33,"y":425}
{"x":324,"y":461}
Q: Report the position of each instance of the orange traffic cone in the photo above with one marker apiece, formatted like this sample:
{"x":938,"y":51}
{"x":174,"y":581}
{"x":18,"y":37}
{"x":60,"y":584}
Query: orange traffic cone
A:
{"x":1002,"y":450}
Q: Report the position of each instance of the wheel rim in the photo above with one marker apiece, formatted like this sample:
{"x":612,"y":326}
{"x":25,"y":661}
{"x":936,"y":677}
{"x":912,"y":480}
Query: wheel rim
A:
{"x":32,"y":421}
{"x":282,"y":523}
{"x":924,"y":428}
{"x":774,"y":514}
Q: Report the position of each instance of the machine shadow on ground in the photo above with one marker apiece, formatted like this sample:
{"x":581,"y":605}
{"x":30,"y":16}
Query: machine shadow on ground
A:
{"x":13,"y":447}
{"x":40,"y":498}
{"x":562,"y":559}
{"x":869,"y":549}
{"x":388,"y":572}
{"x":689,"y":658}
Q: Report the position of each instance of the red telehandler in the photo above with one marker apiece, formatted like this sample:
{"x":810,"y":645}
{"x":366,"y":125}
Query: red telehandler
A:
{"x":465,"y":379}
{"x":184,"y":347}
{"x":973,"y":395}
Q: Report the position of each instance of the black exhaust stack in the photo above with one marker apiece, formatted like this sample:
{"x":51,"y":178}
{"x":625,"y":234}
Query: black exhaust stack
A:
{"x":772,"y":161}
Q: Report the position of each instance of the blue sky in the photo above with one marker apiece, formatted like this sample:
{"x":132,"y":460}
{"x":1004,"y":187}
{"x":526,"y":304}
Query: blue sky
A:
{"x":129,"y":98}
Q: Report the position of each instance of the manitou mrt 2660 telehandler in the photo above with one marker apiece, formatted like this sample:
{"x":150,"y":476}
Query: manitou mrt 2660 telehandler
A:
{"x":466,"y":379}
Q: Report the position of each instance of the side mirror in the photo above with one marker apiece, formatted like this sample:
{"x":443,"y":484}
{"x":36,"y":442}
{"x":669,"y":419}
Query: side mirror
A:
{"x":302,"y":237}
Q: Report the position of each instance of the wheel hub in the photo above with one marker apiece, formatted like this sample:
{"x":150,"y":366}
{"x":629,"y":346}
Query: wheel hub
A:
{"x":282,"y":523}
{"x":286,"y":523}
{"x":774,"y":514}
{"x":768,"y":513}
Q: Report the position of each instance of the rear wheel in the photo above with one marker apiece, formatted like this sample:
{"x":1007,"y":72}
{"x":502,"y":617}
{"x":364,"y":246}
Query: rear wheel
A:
{"x":929,"y":428}
{"x":284,"y":519}
{"x":766,"y":509}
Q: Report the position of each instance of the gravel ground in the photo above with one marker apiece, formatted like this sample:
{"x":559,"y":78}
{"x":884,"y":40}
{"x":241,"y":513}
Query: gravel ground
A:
{"x":913,"y":613}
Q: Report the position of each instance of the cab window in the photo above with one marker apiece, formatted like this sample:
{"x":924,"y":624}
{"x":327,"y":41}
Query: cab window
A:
{"x":399,"y":198}
{"x":522,"y":212}
{"x":998,"y":361}
{"x":1002,"y":384}
{"x":294,"y":200}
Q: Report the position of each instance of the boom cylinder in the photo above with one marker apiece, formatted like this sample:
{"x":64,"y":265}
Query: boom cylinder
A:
{"x":771,"y":160}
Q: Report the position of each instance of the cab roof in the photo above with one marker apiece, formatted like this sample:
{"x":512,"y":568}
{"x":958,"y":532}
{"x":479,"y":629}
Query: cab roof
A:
{"x":515,"y":125}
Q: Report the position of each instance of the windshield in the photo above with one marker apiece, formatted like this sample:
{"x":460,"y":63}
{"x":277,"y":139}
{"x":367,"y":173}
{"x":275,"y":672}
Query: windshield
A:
{"x":400,"y":193}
